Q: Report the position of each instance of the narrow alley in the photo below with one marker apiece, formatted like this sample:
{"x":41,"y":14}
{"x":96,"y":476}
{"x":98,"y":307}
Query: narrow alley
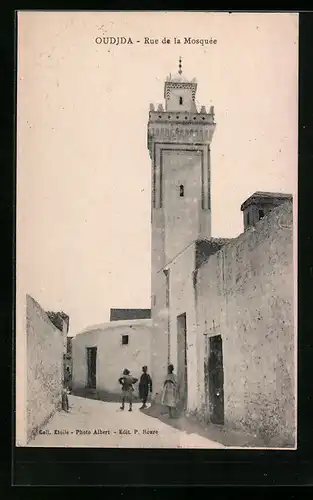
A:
{"x":93,"y":423}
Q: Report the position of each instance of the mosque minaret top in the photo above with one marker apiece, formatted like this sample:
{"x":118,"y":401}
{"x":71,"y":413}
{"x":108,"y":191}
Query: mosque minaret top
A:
{"x":179,"y":77}
{"x":178,"y":119}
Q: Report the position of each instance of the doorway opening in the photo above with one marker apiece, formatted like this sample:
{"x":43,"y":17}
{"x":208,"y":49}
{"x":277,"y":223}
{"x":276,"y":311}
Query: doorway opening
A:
{"x":216,"y":380}
{"x":182,"y":373}
{"x":91,"y":367}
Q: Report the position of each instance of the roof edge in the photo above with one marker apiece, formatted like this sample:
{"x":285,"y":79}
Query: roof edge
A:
{"x":115,"y":324}
{"x":265,"y":195}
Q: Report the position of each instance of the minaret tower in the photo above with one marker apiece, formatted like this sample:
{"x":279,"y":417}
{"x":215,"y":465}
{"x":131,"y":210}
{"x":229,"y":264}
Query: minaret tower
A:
{"x":179,"y":138}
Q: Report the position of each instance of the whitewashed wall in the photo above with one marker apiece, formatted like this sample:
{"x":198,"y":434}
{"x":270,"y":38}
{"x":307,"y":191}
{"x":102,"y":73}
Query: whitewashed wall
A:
{"x":112,"y":356}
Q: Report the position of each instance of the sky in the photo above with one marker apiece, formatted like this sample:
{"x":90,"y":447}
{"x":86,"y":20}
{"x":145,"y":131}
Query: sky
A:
{"x":83,"y":168}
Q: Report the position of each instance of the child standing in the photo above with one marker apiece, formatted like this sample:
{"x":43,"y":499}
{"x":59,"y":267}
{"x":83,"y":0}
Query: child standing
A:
{"x":145,"y":386}
{"x":127,"y":381}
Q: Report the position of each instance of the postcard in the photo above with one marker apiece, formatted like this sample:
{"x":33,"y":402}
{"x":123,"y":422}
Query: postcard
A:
{"x":156,"y":271}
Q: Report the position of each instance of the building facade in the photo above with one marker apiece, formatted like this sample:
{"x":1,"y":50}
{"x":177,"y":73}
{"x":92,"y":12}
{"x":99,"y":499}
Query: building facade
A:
{"x":244,"y":297}
{"x":222,"y":309}
{"x":100,"y":354}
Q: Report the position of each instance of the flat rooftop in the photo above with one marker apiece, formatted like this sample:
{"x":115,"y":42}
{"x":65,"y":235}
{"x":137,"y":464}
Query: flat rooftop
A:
{"x":129,"y":314}
{"x":265,"y":197}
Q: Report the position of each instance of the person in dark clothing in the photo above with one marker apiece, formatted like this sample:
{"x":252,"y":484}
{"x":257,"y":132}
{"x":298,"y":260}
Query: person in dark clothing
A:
{"x":127,"y":381}
{"x":68,"y":379}
{"x":64,"y":395}
{"x":145,"y":386}
{"x":65,"y":403}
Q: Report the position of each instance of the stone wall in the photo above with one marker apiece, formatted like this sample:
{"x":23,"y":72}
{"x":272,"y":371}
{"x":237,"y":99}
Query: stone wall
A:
{"x":245,"y":293}
{"x":45,"y":349}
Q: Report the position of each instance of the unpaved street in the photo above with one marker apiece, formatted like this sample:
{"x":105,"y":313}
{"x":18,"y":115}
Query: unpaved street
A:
{"x":92,"y":423}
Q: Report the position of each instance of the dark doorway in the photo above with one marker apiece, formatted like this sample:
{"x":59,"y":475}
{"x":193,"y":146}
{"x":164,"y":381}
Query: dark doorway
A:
{"x":91,"y":367}
{"x":182,"y":360}
{"x":125,"y":339}
{"x":216,"y":380}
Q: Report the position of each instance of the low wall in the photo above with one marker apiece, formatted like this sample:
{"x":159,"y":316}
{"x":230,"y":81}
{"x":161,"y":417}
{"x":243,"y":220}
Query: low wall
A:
{"x":45,"y":348}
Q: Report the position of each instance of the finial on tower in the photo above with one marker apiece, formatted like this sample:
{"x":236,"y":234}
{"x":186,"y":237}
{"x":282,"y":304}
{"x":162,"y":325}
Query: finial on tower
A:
{"x":180,"y":66}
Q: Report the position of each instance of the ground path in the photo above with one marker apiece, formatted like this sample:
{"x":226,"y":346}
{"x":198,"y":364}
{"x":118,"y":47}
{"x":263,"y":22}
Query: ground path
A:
{"x":94,"y":423}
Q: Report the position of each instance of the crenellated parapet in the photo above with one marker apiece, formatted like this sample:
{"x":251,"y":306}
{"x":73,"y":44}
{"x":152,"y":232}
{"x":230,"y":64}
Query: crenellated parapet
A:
{"x":160,"y":115}
{"x":180,"y":127}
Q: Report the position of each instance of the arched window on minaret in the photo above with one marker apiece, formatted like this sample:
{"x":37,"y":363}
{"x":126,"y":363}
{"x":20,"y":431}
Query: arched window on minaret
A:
{"x":181,"y":190}
{"x":180,"y":100}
